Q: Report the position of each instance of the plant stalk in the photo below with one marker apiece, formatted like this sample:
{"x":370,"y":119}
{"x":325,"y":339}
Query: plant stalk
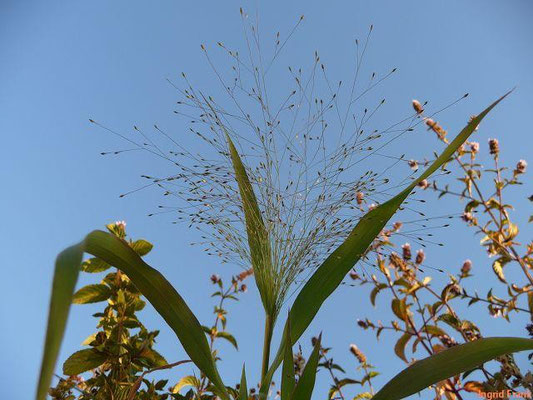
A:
{"x":269,"y":328}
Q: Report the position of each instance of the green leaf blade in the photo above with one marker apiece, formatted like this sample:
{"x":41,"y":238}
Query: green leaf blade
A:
{"x":82,"y":361}
{"x":288,"y":380}
{"x":142,"y":247}
{"x":449,"y":363}
{"x":257,"y":234}
{"x":304,"y":387}
{"x":66,"y":272}
{"x":243,"y":390}
{"x":91,"y":294}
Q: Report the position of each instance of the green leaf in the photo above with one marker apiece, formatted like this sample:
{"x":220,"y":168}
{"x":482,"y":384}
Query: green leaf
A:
{"x":449,"y":363}
{"x":142,"y":247}
{"x":94,"y":265}
{"x":243,"y":390}
{"x":65,"y":277}
{"x":221,"y":334}
{"x":304,"y":387}
{"x":83,"y":360}
{"x":497,"y":267}
{"x":159,"y":292}
{"x":399,"y":348}
{"x":227,"y":336}
{"x":287,"y":373}
{"x":256,"y":232}
{"x":434,"y":330}
{"x":330,"y":274}
{"x":91,"y":294}
{"x":399,"y":307}
{"x":157,"y":359}
{"x":184,"y":382}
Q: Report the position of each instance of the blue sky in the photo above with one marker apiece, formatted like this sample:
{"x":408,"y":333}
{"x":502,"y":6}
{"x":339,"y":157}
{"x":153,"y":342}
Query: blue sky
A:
{"x":65,"y":62}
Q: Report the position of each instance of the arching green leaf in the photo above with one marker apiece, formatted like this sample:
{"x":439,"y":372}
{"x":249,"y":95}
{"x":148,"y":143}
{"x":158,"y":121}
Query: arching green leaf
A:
{"x":449,"y":363}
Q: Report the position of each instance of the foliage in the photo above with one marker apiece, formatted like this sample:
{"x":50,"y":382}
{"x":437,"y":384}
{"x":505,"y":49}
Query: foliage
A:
{"x":116,"y":357}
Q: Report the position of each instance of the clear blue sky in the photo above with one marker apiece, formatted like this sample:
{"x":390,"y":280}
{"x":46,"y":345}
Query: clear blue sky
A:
{"x":62,"y":63}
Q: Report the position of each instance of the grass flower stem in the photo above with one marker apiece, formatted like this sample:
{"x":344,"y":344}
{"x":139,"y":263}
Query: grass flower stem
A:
{"x":269,"y":329}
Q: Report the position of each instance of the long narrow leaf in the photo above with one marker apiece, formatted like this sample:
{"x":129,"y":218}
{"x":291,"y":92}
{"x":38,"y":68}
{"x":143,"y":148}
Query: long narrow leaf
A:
{"x":449,"y":363}
{"x":159,"y":292}
{"x":255,"y":229}
{"x":65,"y":278}
{"x":330,"y":274}
{"x":306,"y":383}
{"x":243,"y":390}
{"x":287,"y":372}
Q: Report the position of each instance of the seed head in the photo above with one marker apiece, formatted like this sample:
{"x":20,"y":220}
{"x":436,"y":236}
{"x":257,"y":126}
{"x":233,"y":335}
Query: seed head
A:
{"x":360,"y":197}
{"x":467,"y":266}
{"x":494,"y":146}
{"x":413,"y":165}
{"x":467,"y":217}
{"x":521,"y":167}
{"x":406,"y":252}
{"x":424,"y":184}
{"x":420,"y":256}
{"x":418,"y":107}
{"x":358,"y":354}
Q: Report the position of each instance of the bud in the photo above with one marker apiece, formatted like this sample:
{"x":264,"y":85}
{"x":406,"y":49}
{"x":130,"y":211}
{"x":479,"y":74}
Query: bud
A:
{"x":397,"y":226}
{"x":215,"y":278}
{"x":244,"y":288}
{"x":467,"y":266}
{"x":358,"y":354}
{"x":455,"y":289}
{"x":354,"y":275}
{"x":413,"y":165}
{"x":494,"y":146}
{"x":474,"y":147}
{"x":521,"y":167}
{"x":418,"y":107}
{"x":362,"y":324}
{"x":435,"y":127}
{"x":424,"y":184}
{"x":120,"y":224}
{"x":420,"y":256}
{"x":406,"y":252}
{"x":467,"y":217}
{"x":360,"y":197}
